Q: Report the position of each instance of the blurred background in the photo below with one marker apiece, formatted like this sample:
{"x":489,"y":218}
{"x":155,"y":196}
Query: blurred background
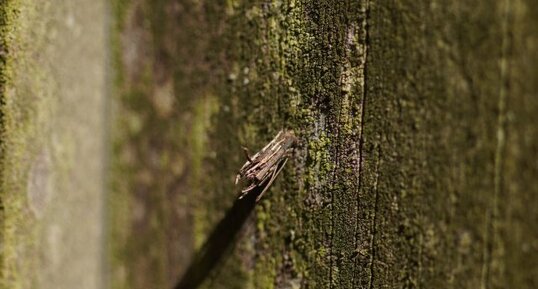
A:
{"x":122,"y":121}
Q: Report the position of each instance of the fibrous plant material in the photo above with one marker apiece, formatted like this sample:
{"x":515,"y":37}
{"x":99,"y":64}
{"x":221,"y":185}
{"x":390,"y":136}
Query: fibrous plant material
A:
{"x":260,"y":170}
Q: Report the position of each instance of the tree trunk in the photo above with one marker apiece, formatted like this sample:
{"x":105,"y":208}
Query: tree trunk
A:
{"x":417,"y":128}
{"x":416,"y":161}
{"x":52,"y":143}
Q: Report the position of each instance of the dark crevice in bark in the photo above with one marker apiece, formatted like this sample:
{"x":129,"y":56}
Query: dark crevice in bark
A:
{"x":374,"y":221}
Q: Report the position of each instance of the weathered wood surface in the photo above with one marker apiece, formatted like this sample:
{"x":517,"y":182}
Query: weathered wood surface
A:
{"x":417,"y":126}
{"x":52,"y":139}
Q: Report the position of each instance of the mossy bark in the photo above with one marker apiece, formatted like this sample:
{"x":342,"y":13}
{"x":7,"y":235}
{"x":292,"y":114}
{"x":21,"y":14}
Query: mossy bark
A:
{"x":52,"y":161}
{"x":417,"y":128}
{"x":415,"y":167}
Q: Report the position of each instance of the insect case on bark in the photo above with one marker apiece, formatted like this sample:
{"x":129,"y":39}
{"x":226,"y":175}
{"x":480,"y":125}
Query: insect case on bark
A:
{"x":260,"y":170}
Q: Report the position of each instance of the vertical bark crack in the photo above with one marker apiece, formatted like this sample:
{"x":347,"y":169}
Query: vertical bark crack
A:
{"x":374,"y":221}
{"x":493,"y":212}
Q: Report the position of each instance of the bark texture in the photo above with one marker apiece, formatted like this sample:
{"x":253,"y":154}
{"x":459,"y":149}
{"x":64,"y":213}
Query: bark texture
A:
{"x":52,"y":143}
{"x":415,"y":168}
{"x":417,"y":126}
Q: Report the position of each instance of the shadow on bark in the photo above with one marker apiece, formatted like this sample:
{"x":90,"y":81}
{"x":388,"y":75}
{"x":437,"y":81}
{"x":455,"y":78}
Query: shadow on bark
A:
{"x":219,"y":242}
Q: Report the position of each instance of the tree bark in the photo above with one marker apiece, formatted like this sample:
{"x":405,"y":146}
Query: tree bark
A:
{"x":417,"y":135}
{"x":416,"y":161}
{"x":52,"y":143}
{"x":417,"y":128}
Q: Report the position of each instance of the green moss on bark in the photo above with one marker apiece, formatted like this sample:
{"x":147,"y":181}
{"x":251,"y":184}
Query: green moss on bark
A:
{"x":400,"y":178}
{"x":52,"y":143}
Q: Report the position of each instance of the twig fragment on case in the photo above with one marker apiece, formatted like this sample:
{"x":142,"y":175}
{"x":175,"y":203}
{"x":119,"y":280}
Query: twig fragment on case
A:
{"x":260,"y":170}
